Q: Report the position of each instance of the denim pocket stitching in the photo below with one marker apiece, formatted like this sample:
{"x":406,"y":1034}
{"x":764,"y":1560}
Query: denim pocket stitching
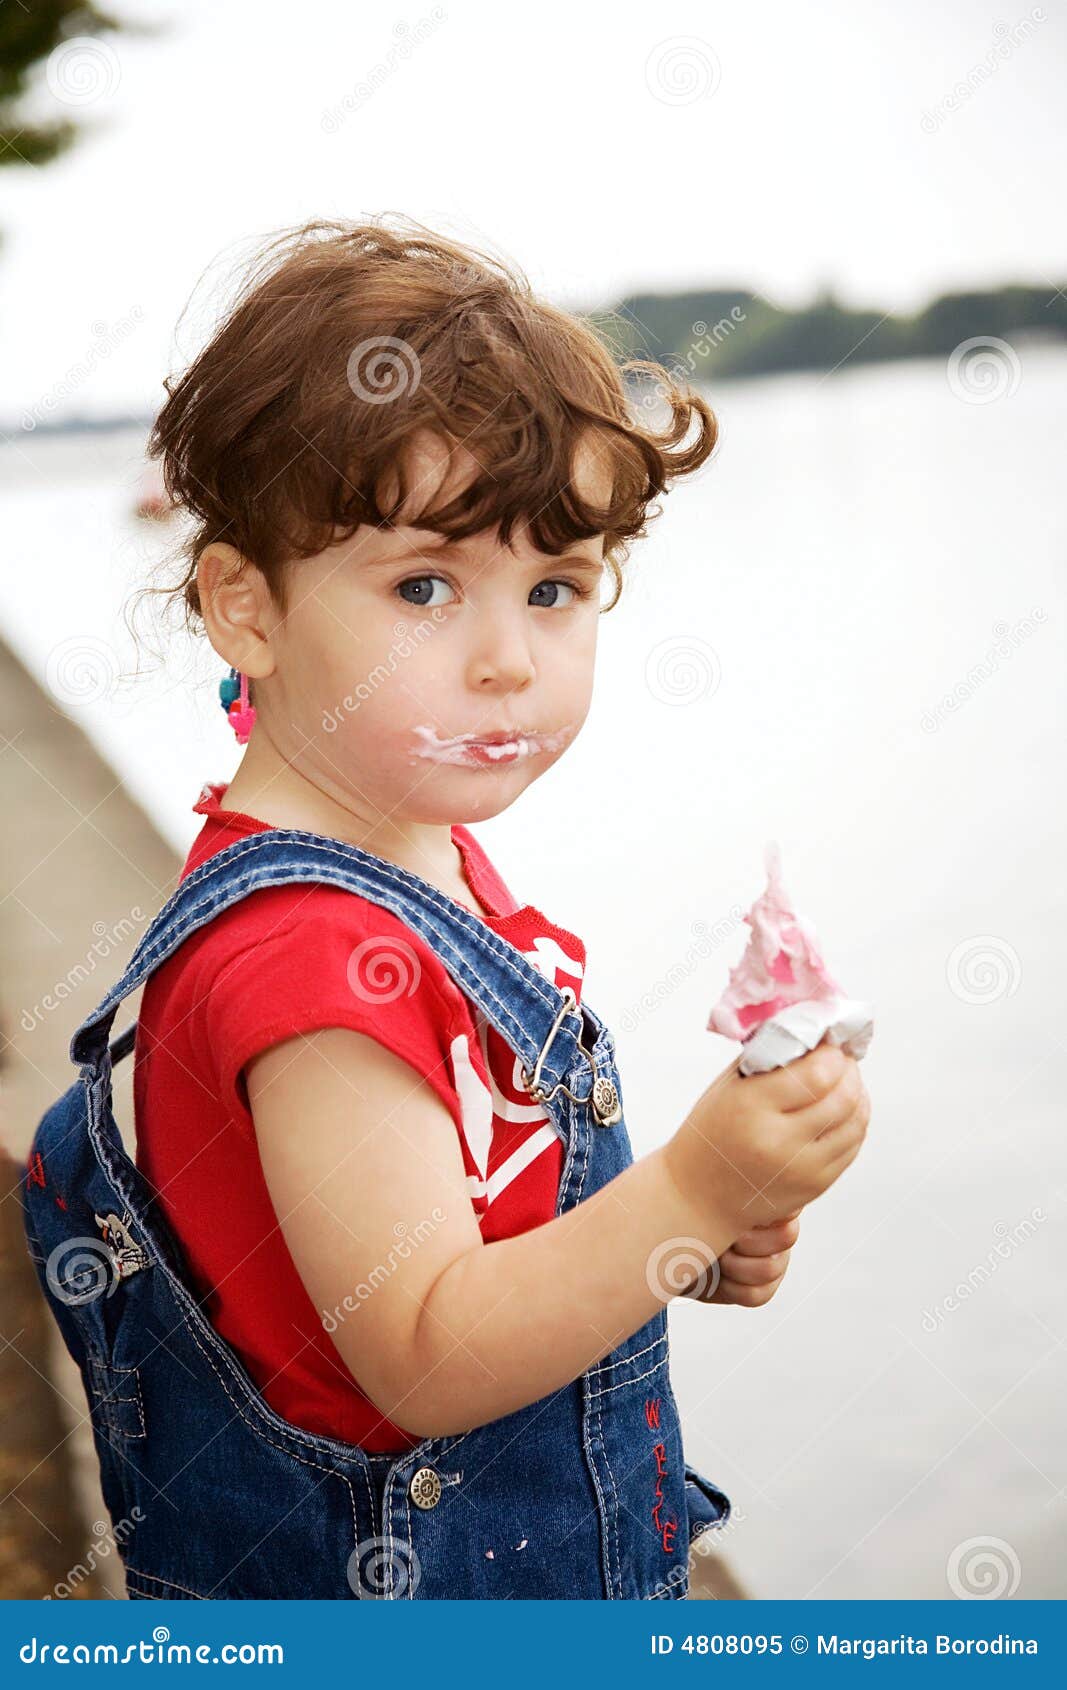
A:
{"x":254,"y":1404}
{"x":624,"y":1361}
{"x":615,"y":1494}
{"x":98,"y":1368}
{"x":624,"y":1384}
{"x":168,"y":1584}
{"x":607,"y":1516}
{"x":296,"y":1456}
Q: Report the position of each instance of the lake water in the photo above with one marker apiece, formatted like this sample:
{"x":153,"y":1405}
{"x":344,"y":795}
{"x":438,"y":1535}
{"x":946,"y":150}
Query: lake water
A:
{"x":847,"y":636}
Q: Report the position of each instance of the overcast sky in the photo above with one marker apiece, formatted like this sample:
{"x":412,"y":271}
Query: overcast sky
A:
{"x":889,"y":150}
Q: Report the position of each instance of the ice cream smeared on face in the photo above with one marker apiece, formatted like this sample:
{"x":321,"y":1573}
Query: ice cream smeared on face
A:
{"x":781,"y":999}
{"x":782,"y":963}
{"x":470,"y":751}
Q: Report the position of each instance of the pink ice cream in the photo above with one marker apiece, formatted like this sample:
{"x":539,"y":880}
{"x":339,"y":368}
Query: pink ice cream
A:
{"x":782,"y":964}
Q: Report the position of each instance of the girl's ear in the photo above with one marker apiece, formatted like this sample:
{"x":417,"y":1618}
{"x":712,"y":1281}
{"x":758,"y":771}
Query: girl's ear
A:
{"x":235,"y":604}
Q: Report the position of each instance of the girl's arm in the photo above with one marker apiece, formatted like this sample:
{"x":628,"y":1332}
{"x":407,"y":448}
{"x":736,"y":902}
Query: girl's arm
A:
{"x":442,"y":1331}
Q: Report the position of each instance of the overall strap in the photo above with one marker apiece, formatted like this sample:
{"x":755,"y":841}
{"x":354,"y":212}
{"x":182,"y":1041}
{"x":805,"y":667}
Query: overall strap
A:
{"x":510,"y":992}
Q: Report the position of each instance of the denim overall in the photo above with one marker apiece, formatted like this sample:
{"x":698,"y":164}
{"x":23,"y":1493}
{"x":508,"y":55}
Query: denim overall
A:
{"x":584,"y":1493}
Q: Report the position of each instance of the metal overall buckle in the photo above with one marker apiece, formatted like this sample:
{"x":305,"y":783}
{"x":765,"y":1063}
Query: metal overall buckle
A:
{"x":603,"y":1097}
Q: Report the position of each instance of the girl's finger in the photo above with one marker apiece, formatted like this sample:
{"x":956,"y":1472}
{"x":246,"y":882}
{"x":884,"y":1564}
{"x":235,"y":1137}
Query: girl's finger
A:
{"x":768,"y":1240}
{"x":807,"y":1079}
{"x":833,"y":1109}
{"x":753,"y":1270}
{"x":748,"y":1296}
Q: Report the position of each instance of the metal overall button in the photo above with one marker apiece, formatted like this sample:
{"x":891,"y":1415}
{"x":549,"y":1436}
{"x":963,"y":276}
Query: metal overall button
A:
{"x":603,"y":1096}
{"x":425,"y":1488}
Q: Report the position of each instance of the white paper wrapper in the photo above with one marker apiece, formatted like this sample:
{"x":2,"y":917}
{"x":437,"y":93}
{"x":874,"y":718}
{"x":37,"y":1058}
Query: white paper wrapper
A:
{"x":794,"y":1031}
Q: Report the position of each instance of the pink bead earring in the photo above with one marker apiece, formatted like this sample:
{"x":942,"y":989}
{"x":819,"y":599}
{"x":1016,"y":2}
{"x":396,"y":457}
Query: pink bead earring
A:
{"x":233,"y":697}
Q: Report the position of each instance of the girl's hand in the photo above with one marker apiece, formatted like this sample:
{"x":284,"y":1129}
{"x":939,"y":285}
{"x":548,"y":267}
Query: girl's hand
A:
{"x":752,"y":1269}
{"x":754,"y":1149}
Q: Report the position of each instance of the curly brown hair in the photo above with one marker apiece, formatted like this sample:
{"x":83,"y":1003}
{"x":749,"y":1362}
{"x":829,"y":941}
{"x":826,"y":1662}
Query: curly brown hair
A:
{"x":347,"y":339}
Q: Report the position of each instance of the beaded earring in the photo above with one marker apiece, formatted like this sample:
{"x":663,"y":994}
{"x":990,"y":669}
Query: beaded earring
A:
{"x":233,"y":697}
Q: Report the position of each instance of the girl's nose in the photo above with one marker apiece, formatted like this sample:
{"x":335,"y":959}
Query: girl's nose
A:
{"x":501,"y":657}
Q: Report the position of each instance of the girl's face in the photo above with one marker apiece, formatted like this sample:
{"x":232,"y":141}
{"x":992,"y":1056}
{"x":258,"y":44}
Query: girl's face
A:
{"x":433,"y":679}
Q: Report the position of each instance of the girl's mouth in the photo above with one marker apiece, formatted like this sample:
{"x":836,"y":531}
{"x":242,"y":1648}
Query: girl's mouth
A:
{"x":503,"y":746}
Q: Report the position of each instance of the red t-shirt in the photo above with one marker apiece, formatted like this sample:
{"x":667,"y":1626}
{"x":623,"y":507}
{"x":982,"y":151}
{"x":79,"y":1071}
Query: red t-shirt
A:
{"x":287,"y":960}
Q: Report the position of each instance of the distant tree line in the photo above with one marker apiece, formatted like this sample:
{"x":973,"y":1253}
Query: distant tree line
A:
{"x":732,"y":332}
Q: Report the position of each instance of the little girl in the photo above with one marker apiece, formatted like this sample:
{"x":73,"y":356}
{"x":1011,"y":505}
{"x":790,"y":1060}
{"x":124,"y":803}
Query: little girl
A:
{"x":383,"y":1305}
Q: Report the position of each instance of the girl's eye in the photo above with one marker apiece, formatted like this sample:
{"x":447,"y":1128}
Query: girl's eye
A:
{"x":421,"y":587}
{"x":418,"y":591}
{"x":553,"y":587}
